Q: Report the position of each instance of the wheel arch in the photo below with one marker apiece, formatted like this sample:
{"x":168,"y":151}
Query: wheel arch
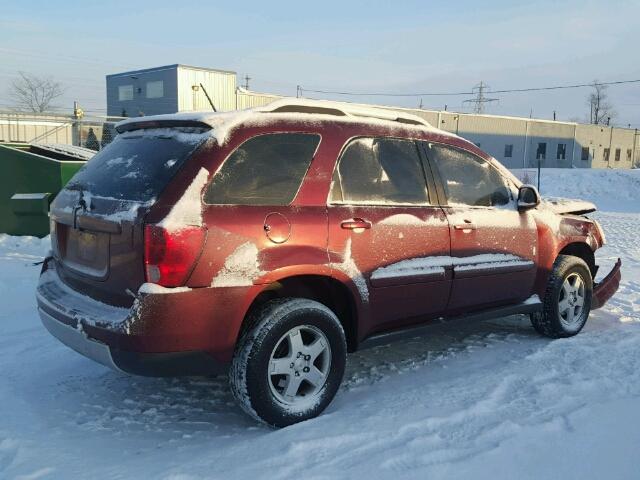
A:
{"x":324,"y":289}
{"x":581,"y":250}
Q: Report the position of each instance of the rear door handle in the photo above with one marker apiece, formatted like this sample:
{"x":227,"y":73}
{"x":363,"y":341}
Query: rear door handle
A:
{"x":467,"y":225}
{"x":355,"y":223}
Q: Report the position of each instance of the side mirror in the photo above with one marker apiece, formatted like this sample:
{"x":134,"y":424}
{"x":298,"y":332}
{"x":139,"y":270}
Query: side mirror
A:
{"x":528,"y":197}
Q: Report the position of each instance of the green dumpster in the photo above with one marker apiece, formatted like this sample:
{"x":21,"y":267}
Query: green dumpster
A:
{"x":30,"y":177}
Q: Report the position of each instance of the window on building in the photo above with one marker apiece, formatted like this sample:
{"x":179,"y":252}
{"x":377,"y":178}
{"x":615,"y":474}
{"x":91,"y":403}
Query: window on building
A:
{"x":155,"y":89}
{"x":585,"y":154}
{"x":605,"y":155}
{"x":541,"y":152}
{"x":508,"y":151}
{"x":468,"y":180}
{"x":629,"y":153}
{"x":264,"y":170}
{"x":125,"y":92}
{"x":379,"y":171}
{"x":617,"y":155}
{"x":561,"y":153}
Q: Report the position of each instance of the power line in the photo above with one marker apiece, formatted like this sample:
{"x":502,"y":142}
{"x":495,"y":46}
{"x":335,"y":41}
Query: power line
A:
{"x":428,"y":94}
{"x":480,"y":100}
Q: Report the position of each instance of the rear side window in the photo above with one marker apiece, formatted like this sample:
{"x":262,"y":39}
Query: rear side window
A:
{"x":379,"y":171}
{"x":468,"y":179}
{"x":137,"y":165}
{"x":264,"y":170}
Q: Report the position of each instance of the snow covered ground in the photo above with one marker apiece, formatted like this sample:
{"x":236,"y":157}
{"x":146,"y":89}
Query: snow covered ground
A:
{"x":470,"y":400}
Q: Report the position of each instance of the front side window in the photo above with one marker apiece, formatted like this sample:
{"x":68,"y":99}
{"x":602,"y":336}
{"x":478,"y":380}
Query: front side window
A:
{"x":125,"y":92}
{"x":378,"y":171}
{"x":468,"y":179}
{"x":264,"y":170}
{"x":155,"y":89}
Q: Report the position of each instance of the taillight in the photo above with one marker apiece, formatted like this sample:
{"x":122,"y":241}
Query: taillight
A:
{"x":169,"y":256}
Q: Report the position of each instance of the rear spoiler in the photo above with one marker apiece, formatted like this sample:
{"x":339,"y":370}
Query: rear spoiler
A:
{"x":147,"y":124}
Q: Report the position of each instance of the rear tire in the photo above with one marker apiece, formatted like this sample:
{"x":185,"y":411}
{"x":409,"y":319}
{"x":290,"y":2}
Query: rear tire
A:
{"x":567,"y":300}
{"x":289,"y":362}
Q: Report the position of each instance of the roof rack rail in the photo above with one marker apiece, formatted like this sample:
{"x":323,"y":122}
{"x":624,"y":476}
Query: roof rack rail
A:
{"x":325,"y":107}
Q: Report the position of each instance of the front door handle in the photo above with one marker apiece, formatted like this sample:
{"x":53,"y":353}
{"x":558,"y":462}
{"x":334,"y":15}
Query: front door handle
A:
{"x":355,"y":224}
{"x":466,"y":225}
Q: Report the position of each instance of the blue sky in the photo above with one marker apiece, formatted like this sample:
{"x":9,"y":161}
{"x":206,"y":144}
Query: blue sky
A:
{"x":408,"y":46}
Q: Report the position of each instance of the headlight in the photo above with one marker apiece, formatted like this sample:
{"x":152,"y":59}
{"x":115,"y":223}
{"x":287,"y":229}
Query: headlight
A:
{"x":600,"y":232}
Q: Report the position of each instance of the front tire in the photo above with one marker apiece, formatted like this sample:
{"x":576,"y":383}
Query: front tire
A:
{"x":289,"y":362}
{"x":567,"y":301}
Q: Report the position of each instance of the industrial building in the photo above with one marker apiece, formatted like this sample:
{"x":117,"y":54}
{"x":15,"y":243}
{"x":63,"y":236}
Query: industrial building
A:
{"x":524,"y":142}
{"x":517,"y":142}
{"x":170,"y":89}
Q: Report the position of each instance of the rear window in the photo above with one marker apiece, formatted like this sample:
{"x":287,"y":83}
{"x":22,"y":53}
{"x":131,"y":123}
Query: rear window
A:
{"x":264,"y":170}
{"x":137,"y":165}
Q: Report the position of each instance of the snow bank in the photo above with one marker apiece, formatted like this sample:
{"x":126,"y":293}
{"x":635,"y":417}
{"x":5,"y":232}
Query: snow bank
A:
{"x":610,"y":190}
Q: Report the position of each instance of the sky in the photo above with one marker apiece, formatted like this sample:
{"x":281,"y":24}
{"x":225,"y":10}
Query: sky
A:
{"x":355,"y":46}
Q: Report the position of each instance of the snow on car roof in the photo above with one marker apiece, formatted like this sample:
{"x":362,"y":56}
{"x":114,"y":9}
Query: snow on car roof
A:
{"x":301,"y":109}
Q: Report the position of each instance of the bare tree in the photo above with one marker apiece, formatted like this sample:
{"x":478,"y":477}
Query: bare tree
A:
{"x":33,"y":93}
{"x":601,"y":110}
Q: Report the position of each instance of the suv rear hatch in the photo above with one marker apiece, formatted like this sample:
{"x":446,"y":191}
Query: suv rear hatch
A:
{"x":97,"y":219}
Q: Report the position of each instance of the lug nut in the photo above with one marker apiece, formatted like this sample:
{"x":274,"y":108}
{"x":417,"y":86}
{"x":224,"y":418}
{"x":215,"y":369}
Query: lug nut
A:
{"x":305,"y":369}
{"x":307,"y":357}
{"x":297,"y":373}
{"x":291,"y":366}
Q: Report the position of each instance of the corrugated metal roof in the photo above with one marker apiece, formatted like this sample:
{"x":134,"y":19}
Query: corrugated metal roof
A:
{"x":168,"y":67}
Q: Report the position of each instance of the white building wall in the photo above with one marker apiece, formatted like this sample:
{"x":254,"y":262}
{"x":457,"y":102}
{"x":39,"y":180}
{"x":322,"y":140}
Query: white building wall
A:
{"x":248,"y":99}
{"x":43,"y":129}
{"x":221,"y":87}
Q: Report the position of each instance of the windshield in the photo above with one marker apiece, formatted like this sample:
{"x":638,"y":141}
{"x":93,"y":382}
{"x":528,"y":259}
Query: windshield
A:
{"x":137,"y":165}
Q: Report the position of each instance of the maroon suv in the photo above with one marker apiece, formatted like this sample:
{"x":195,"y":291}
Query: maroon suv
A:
{"x":270,"y":242}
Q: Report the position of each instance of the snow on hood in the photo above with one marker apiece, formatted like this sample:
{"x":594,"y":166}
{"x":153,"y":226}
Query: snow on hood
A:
{"x":568,"y":205}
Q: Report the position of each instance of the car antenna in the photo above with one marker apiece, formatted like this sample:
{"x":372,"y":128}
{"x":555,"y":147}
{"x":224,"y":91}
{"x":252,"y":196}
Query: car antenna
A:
{"x":208,"y":97}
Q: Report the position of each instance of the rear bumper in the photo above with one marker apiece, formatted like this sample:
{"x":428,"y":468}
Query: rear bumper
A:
{"x":187,"y":333}
{"x":134,"y":363}
{"x":605,"y":289}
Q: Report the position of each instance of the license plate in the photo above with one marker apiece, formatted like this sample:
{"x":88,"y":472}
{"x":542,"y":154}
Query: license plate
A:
{"x":87,"y":244}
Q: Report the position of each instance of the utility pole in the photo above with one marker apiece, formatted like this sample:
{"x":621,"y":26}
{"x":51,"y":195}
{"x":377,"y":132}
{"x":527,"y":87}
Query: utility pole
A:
{"x":246,"y":82}
{"x":480,"y":99}
{"x":76,"y":127}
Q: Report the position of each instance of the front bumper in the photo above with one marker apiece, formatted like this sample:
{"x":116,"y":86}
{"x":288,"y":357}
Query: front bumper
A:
{"x":604,"y":290}
{"x":160,"y":335}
